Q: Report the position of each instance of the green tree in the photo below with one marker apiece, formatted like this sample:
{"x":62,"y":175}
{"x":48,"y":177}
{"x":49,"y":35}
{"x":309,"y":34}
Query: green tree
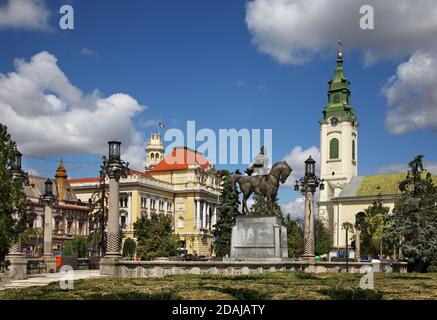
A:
{"x":412,"y":227}
{"x":155,"y":237}
{"x":228,"y":211}
{"x":323,"y":237}
{"x":98,"y":217}
{"x":262,"y":207}
{"x":129,"y":248}
{"x":375,"y":222}
{"x":76,"y":247}
{"x":294,"y":236}
{"x":13,"y":204}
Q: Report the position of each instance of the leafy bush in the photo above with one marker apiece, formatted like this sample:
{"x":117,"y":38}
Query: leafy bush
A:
{"x":155,"y":237}
{"x":76,"y":247}
{"x":129,"y":248}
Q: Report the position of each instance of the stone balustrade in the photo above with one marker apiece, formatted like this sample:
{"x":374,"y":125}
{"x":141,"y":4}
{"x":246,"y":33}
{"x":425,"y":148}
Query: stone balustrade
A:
{"x":146,"y":269}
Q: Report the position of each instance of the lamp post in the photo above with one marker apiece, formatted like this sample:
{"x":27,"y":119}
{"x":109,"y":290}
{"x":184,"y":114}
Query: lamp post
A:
{"x":114,"y":168}
{"x":359,"y":220}
{"x":18,"y":263}
{"x":347,"y":226}
{"x":307,"y":186}
{"x":48,"y":199}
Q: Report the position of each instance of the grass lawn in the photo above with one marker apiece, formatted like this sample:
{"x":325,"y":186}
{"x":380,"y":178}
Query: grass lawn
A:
{"x":279,"y":285}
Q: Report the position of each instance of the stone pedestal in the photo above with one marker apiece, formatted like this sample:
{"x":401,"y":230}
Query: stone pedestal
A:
{"x":109,"y":266}
{"x":50,"y":263}
{"x":259,"y":237}
{"x":17,"y":267}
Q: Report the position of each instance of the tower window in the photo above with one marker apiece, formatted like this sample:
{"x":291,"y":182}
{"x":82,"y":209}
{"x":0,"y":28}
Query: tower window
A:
{"x":336,"y":98}
{"x":353,"y":150}
{"x":334,"y":149}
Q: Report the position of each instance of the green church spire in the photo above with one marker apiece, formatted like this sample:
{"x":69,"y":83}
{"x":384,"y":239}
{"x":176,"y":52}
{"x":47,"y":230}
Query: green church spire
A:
{"x":339,"y":92}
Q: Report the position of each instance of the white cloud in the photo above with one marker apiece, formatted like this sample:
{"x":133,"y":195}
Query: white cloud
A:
{"x":147,"y":123}
{"x":24,"y":14}
{"x":294,"y":208}
{"x":240,"y":83}
{"x":412,"y":94}
{"x":86,"y":52}
{"x":401,"y":167}
{"x":297,"y":31}
{"x":296,"y":159}
{"x":46,"y":114}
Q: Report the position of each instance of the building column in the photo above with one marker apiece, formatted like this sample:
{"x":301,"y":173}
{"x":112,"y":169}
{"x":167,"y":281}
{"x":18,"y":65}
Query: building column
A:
{"x":197,"y":214}
{"x":208,"y":215}
{"x":129,"y":210}
{"x":214,"y":216}
{"x":204,"y":215}
{"x":148,"y":203}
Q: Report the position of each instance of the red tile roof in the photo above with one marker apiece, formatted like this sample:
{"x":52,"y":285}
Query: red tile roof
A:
{"x":179,"y":159}
{"x":97,"y":179}
{"x":81,"y":180}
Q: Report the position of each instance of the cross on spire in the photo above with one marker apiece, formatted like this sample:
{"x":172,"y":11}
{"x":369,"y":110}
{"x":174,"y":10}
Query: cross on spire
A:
{"x":340,"y":48}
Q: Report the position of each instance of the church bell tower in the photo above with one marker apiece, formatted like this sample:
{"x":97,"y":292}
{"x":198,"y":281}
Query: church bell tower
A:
{"x":338,"y":140}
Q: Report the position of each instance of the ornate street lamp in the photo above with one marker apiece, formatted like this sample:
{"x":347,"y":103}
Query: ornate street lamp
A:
{"x":48,"y":199}
{"x":18,"y":263}
{"x":114,"y":168}
{"x":114,"y":150}
{"x":307,"y":185}
{"x":16,"y":169}
{"x":48,"y":188}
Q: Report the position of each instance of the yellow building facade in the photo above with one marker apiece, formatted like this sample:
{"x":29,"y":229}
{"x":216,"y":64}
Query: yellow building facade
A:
{"x":187,"y":189}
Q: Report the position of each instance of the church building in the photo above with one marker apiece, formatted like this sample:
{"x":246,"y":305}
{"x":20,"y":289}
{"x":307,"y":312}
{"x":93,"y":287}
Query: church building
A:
{"x":346,"y":193}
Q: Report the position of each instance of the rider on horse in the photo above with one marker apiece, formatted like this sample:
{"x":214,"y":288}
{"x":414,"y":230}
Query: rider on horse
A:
{"x":260,"y":165}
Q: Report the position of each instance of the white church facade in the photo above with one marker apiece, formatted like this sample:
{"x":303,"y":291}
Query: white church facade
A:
{"x":346,"y":193}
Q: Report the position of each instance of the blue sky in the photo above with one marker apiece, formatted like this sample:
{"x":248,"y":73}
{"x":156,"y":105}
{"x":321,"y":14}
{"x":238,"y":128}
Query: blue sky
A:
{"x":204,"y":61}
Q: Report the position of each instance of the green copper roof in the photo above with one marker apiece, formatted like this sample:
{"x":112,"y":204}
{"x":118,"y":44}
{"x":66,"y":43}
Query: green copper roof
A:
{"x":381,"y":184}
{"x":339,"y":94}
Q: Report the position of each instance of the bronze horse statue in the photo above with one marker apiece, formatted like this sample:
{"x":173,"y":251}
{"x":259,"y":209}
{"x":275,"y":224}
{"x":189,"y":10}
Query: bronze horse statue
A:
{"x":265,"y":185}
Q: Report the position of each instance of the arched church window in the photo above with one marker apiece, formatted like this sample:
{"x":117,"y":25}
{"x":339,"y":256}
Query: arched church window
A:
{"x":152,"y":156}
{"x":336,"y":98}
{"x":334,"y":149}
{"x":353,"y":150}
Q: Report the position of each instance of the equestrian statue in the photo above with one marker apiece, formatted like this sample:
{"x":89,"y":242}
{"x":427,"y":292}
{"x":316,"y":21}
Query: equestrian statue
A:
{"x":264,"y":183}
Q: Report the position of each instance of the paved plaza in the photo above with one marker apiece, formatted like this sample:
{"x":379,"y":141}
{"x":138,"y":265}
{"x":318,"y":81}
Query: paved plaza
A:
{"x":45,"y":279}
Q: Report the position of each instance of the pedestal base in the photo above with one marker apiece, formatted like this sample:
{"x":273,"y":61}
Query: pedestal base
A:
{"x":109,"y":266}
{"x":259,"y":237}
{"x":17,"y":267}
{"x":50,"y":263}
{"x":309,"y":258}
